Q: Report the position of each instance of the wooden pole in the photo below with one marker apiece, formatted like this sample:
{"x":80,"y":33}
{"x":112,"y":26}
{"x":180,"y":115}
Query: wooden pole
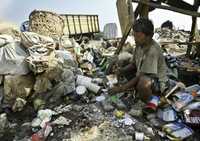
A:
{"x":193,"y":29}
{"x":119,"y":47}
{"x":144,"y":9}
{"x":192,"y":35}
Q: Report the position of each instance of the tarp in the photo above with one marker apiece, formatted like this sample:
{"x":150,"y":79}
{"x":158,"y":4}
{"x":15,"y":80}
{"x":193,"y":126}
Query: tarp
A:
{"x":28,"y":39}
{"x":12,"y":58}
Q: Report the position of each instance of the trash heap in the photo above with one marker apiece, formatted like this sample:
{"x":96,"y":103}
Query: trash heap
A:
{"x":57,"y":90}
{"x":171,"y":40}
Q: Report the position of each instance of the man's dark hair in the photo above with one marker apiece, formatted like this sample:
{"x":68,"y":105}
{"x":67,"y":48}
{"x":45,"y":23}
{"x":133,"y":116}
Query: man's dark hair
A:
{"x":144,"y":25}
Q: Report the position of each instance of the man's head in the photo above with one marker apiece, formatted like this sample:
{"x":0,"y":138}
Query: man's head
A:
{"x":143,"y":30}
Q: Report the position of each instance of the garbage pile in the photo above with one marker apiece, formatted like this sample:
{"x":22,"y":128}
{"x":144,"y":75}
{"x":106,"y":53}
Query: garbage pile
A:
{"x":57,"y":90}
{"x":170,"y":40}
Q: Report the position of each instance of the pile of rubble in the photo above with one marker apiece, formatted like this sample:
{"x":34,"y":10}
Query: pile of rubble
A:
{"x":44,"y":89}
{"x":171,"y":40}
{"x":56,"y":89}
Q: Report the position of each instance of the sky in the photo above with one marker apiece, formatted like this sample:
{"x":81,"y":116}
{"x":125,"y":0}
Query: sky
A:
{"x":18,"y":11}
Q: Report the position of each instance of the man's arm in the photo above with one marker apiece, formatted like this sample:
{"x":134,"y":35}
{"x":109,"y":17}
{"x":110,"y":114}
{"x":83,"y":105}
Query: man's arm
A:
{"x":130,"y":84}
{"x":129,"y":68}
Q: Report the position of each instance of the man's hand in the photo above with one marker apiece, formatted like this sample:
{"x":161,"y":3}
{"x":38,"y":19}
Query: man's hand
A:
{"x":116,"y":89}
{"x":118,"y":71}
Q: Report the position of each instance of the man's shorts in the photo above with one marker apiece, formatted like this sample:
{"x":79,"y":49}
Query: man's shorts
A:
{"x":158,"y":87}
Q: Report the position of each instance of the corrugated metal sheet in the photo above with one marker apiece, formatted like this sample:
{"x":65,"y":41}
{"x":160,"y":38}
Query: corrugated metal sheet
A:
{"x":80,"y":24}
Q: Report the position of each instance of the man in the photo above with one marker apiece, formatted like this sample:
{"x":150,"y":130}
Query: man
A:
{"x":148,"y":64}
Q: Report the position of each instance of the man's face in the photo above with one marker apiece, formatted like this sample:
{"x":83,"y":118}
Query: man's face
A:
{"x":140,"y":38}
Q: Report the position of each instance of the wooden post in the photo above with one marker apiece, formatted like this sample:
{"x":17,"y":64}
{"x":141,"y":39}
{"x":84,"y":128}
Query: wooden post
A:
{"x":192,"y":34}
{"x":193,"y":29}
{"x":144,"y":9}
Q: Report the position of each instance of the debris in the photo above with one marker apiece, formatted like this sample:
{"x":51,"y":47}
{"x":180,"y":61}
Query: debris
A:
{"x":87,"y":82}
{"x":41,"y":58}
{"x":112,"y":80}
{"x":17,"y":86}
{"x":100,"y":98}
{"x":106,"y":105}
{"x":168,"y":114}
{"x":30,"y":39}
{"x":119,"y":114}
{"x":81,"y":90}
{"x":62,"y":109}
{"x":152,"y":105}
{"x":118,"y":103}
{"x":192,"y":117}
{"x":177,"y":131}
{"x":13,"y":59}
{"x":183,"y":99}
{"x":43,"y":117}
{"x":62,"y":121}
{"x":136,"y":112}
{"x":3,"y":123}
{"x":18,"y":105}
{"x":142,"y":127}
{"x":139,"y":136}
{"x":42,"y":134}
{"x":127,"y":120}
{"x":38,"y":104}
{"x":66,"y":90}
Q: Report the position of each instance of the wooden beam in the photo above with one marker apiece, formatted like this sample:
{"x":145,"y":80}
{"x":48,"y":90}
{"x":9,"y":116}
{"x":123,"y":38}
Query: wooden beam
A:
{"x":180,"y":43}
{"x":171,"y":8}
{"x":179,"y":4}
